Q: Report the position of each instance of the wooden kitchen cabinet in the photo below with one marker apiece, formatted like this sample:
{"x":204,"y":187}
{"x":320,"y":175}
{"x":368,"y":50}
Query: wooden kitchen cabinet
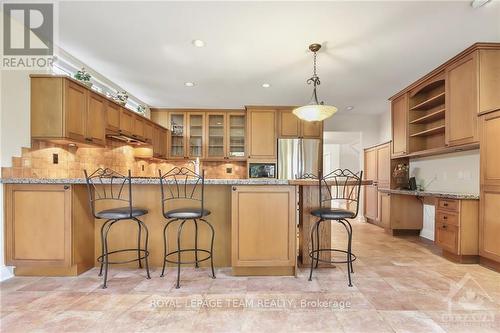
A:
{"x":461,"y":101}
{"x":138,"y":129}
{"x":371,"y":203}
{"x":371,"y":165}
{"x":399,"y":111}
{"x":96,"y":119}
{"x":263,"y":230}
{"x":384,"y":210}
{"x":196,"y":134}
{"x":49,"y":229}
{"x":64,"y":111}
{"x":456,"y":229}
{"x":148,"y":131}
{"x":489,"y":79}
{"x":384,"y":166}
{"x":127,"y":122}
{"x":112,"y":117}
{"x":489,"y":211}
{"x":261,"y":125}
{"x":290,"y":126}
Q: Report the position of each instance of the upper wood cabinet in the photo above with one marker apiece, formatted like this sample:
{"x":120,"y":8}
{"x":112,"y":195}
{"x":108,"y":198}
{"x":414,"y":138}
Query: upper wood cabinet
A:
{"x":138,"y":127}
{"x":196,"y":134}
{"x":371,"y":164}
{"x":384,"y":166}
{"x":399,"y":118}
{"x":261,"y":133}
{"x":225,"y":135}
{"x":461,"y":101}
{"x":263,"y":226}
{"x":290,"y":126}
{"x":63,"y":110}
{"x":148,"y":131}
{"x":489,"y":79}
{"x":127,"y":122}
{"x":112,"y":116}
{"x":489,"y":149}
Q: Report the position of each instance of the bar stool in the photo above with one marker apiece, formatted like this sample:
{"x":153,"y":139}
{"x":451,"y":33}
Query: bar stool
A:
{"x":106,"y":185}
{"x":338,"y":188}
{"x":176,"y":187}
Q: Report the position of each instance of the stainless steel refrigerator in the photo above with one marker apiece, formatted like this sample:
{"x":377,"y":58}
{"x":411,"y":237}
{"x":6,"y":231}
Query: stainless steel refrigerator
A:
{"x":297,"y":157}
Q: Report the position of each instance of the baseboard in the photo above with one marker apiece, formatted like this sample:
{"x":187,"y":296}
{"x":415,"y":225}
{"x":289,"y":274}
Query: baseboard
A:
{"x":461,"y":259}
{"x":405,"y":232}
{"x":264,"y":271}
{"x":491,"y":264}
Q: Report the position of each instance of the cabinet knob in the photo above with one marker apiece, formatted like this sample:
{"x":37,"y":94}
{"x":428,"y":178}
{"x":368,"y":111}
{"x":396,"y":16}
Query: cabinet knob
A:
{"x":234,"y":188}
{"x":66,"y":187}
{"x":444,"y":226}
{"x":445,"y":204}
{"x":445,"y":217}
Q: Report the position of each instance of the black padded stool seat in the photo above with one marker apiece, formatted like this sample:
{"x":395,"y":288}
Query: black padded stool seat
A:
{"x":121,"y":213}
{"x":186,"y":213}
{"x":333,"y":214}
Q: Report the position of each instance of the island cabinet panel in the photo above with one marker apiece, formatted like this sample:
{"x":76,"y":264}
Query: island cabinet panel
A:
{"x":263,"y":227}
{"x":461,"y":101}
{"x":49,"y":229}
{"x":371,"y":202}
{"x":262,"y":133}
{"x":400,"y":126}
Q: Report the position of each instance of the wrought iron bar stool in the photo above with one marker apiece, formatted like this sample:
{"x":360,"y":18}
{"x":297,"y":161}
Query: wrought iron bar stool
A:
{"x":183,"y":185}
{"x":106,"y":185}
{"x":338,"y":188}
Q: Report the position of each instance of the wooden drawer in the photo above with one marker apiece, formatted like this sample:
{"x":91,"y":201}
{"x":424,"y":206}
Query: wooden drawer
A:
{"x":448,"y":204}
{"x":447,"y":237}
{"x":447,"y":217}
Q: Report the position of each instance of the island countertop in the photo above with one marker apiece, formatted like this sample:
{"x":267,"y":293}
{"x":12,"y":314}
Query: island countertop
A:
{"x":156,"y":181}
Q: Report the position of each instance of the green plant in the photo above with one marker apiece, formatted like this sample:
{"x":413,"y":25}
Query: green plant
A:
{"x":82,"y":75}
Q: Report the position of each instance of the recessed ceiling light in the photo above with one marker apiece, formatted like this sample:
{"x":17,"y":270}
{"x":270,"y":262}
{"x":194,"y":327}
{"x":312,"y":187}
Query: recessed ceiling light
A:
{"x":266,"y":85}
{"x":349,"y":107}
{"x":198,"y":43}
{"x":189,"y":84}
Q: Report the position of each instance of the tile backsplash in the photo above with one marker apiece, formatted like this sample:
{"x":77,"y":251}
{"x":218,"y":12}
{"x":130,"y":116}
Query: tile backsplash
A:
{"x":39,"y":161}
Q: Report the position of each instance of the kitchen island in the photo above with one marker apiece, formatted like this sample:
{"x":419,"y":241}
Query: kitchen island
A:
{"x":50,"y":230}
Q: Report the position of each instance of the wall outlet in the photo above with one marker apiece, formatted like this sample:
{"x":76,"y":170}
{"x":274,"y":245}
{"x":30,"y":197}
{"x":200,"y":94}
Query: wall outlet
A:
{"x":55,"y":158}
{"x":229,"y":170}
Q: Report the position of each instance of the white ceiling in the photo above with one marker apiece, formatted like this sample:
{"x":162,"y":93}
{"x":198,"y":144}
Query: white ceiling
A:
{"x":371,"y":49}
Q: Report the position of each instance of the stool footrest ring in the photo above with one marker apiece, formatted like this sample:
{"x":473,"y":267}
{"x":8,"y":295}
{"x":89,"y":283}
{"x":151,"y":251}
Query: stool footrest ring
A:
{"x":187,"y":262}
{"x":311,"y":255}
{"x":100,"y":259}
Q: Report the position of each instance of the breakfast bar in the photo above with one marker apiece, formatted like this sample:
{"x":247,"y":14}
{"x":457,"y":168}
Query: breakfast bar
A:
{"x":50,"y":229}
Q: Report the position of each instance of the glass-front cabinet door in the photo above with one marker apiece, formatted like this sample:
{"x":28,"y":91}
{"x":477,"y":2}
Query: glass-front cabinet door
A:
{"x":195,"y":137}
{"x":216,"y":129}
{"x":236,"y":134}
{"x":178,"y":135}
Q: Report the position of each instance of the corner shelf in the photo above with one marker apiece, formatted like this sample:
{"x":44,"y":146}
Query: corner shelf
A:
{"x":428,"y":118}
{"x":430,"y":131}
{"x":430,"y":103}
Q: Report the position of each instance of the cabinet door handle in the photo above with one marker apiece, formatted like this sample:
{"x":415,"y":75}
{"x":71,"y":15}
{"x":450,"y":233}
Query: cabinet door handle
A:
{"x":445,"y":217}
{"x":445,"y":204}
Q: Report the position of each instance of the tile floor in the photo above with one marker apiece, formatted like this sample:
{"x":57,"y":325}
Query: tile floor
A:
{"x":400,"y":285}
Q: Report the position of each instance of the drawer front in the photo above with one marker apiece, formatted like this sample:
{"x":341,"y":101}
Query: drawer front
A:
{"x":448,"y":204}
{"x":447,"y":237}
{"x":446,"y":217}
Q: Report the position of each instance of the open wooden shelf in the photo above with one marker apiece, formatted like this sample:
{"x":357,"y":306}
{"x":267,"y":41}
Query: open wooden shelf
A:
{"x":430,"y":131}
{"x":430,"y":103}
{"x":429,"y":118}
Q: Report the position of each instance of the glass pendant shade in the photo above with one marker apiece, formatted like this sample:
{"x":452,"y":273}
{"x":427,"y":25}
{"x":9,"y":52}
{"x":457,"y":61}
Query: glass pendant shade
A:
{"x":315,"y":112}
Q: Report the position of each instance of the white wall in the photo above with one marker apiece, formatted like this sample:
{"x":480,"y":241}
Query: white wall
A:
{"x":385,"y":126}
{"x":455,"y":172}
{"x":368,"y":125}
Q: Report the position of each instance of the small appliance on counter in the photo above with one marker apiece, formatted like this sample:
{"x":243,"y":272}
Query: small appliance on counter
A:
{"x":262,"y":170}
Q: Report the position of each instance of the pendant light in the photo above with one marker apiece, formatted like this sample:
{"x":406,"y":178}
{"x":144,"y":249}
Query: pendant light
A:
{"x":315,"y":110}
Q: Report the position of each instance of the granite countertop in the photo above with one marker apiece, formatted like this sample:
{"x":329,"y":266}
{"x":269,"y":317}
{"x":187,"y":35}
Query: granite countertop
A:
{"x":448,"y":195}
{"x":148,"y":181}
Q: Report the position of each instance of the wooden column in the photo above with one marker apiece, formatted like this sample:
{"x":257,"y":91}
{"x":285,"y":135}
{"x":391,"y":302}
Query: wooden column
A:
{"x":308,"y":200}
